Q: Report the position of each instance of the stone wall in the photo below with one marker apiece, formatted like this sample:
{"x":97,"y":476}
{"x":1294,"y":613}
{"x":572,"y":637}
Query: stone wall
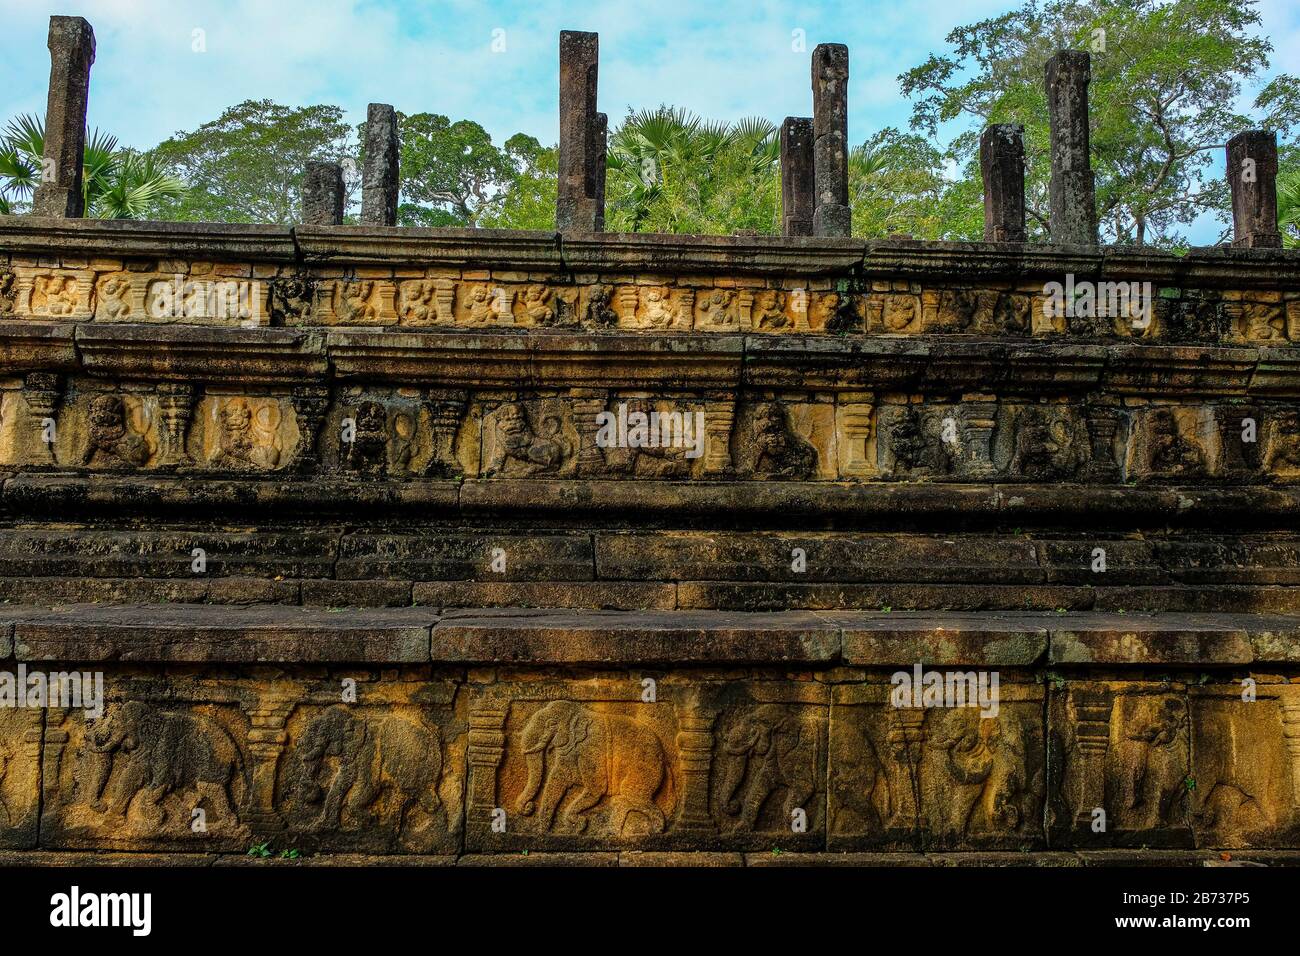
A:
{"x":328,"y":508}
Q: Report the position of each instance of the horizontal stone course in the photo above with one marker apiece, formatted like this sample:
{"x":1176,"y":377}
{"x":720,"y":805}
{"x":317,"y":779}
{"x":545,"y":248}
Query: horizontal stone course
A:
{"x":235,"y":634}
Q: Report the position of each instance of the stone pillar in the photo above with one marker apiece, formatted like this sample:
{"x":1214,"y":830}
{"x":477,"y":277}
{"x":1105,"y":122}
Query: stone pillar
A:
{"x":1072,"y":195}
{"x":72,"y":51}
{"x":599,"y":154}
{"x":830,"y":83}
{"x":487,"y":747}
{"x":588,"y":403}
{"x":267,"y":739}
{"x":322,"y":194}
{"x":379,"y":182}
{"x":719,"y":415}
{"x":1103,"y":424}
{"x":797,"y":178}
{"x":1002,"y":163}
{"x":695,"y":747}
{"x":1252,"y":174}
{"x":576,"y":204}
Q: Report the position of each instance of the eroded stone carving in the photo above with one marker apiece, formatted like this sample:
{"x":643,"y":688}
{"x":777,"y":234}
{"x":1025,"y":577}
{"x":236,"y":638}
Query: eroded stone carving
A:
{"x":778,"y":451}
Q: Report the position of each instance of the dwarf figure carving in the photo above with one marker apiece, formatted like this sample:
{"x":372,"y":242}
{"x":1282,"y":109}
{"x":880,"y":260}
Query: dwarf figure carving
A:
{"x":354,"y":302}
{"x":368,"y":452}
{"x":537,"y":305}
{"x":113,"y":443}
{"x":778,"y":451}
{"x":769,"y":311}
{"x":1171,"y":453}
{"x":912,"y":448}
{"x":238,"y":447}
{"x":520,"y":452}
{"x":417,"y":301}
{"x":599,"y":310}
{"x":59,"y":294}
{"x":658,"y":312}
{"x":1044,"y":449}
{"x":713,"y":309}
{"x":116,"y":292}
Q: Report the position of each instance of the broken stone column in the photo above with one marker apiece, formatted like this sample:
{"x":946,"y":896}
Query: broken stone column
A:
{"x":599,"y":152}
{"x":830,"y":82}
{"x":1252,"y":174}
{"x":379,"y":182}
{"x":322,"y":194}
{"x":797,"y":178}
{"x":1002,"y":163}
{"x":1072,"y":190}
{"x":72,"y":51}
{"x":577,"y":202}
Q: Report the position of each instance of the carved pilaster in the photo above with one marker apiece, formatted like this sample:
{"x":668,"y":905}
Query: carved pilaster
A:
{"x":1092,"y":739}
{"x":980,"y":419}
{"x":1290,"y":703}
{"x":176,"y":407}
{"x":42,"y":390}
{"x":446,"y":409}
{"x":587,"y":405}
{"x":444,"y":300}
{"x":267,"y":738}
{"x":905,"y":738}
{"x":695,"y":747}
{"x":487,"y":747}
{"x":857,"y":419}
{"x":310,"y":403}
{"x":719,"y":416}
{"x":1103,"y":423}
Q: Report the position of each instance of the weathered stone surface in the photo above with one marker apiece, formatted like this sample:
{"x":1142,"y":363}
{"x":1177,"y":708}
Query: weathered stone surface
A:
{"x":72,"y":51}
{"x":1002,"y":165}
{"x":600,"y":637}
{"x":1072,"y":189}
{"x":199,"y":633}
{"x":322,"y":194}
{"x":940,"y":639}
{"x":379,"y":178}
{"x":1252,"y":175}
{"x":830,"y":87}
{"x":798,"y":181}
{"x":580,"y":200}
{"x":1165,"y":639}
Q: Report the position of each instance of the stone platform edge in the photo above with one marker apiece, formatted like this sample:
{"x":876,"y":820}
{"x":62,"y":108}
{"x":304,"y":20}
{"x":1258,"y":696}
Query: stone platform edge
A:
{"x":178,"y":634}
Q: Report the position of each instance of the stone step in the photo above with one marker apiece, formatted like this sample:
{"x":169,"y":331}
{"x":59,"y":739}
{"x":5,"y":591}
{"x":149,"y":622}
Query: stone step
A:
{"x":194,"y":633}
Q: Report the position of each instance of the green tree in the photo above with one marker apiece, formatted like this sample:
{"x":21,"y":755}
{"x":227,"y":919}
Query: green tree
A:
{"x":528,"y":201}
{"x":896,"y":185}
{"x":1166,"y":78}
{"x":247,"y":165}
{"x":1288,"y":206}
{"x":452,"y":173}
{"x":116,"y":183}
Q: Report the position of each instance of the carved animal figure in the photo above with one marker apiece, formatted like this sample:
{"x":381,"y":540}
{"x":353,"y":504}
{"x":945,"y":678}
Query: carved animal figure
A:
{"x":569,"y":747}
{"x":985,"y":758}
{"x":1284,"y":443}
{"x":521,"y":452}
{"x":375,"y":757}
{"x":112,"y":440}
{"x":912,"y":448}
{"x":779,"y":452}
{"x":137,"y":749}
{"x":1150,"y":759}
{"x":765,"y":750}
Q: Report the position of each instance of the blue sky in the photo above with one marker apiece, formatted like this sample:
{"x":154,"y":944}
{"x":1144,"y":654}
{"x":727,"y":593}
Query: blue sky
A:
{"x":721,"y":58}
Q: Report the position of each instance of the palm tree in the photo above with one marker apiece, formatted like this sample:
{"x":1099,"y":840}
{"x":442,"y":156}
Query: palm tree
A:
{"x":116,"y":183}
{"x":1288,"y":207}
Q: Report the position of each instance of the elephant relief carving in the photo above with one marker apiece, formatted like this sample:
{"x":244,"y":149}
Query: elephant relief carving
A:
{"x":768,"y":750}
{"x":139,"y":751}
{"x":985,"y":760}
{"x":350,"y":764}
{"x":577,"y":758}
{"x":1149,"y":762}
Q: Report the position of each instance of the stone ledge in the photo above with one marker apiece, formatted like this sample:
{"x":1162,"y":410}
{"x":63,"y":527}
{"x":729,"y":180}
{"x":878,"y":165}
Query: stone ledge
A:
{"x":211,"y":633}
{"x":191,"y":633}
{"x":607,"y":637}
